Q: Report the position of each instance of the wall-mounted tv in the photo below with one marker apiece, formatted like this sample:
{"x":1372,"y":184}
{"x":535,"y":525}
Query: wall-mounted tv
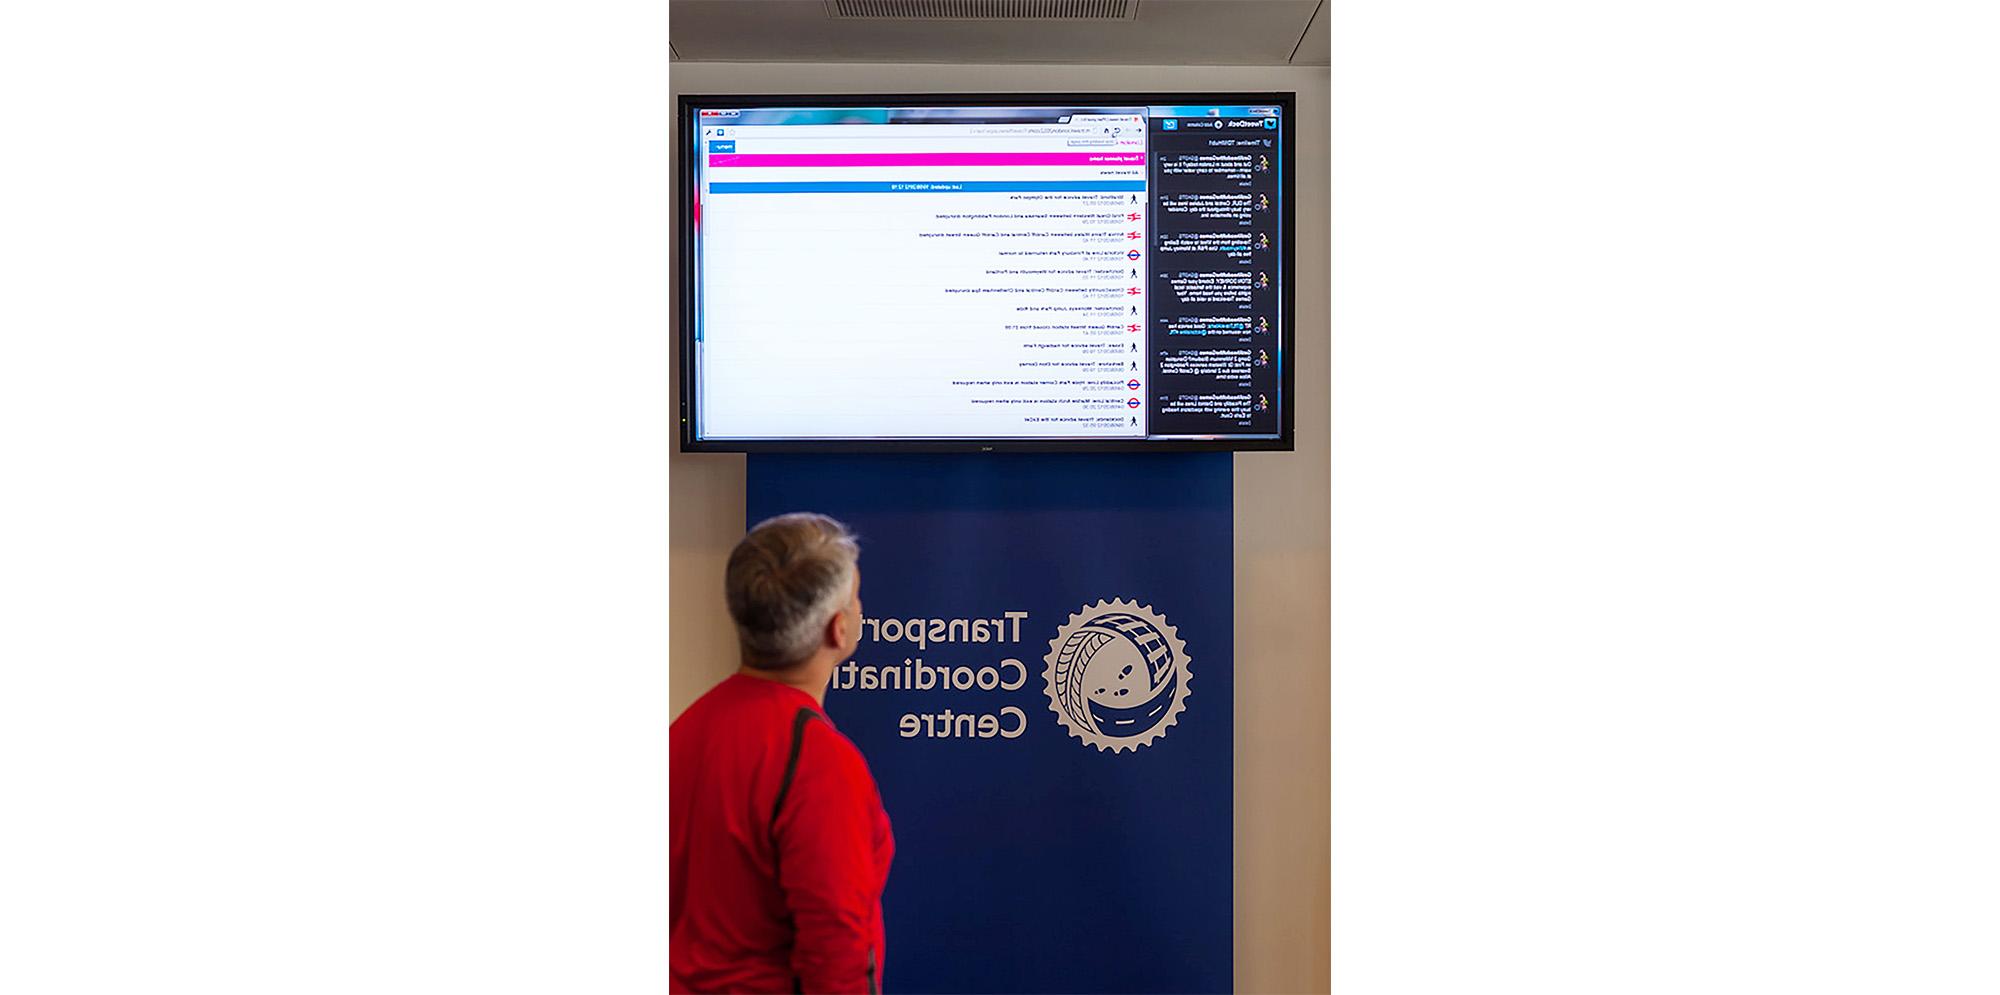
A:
{"x":981,"y":272}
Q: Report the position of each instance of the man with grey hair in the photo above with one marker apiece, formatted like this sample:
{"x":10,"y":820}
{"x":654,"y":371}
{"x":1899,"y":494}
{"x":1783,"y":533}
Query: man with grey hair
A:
{"x":780,"y":845}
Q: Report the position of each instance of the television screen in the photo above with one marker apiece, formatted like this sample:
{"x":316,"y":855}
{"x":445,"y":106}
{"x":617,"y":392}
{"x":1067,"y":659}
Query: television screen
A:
{"x":982,"y":272}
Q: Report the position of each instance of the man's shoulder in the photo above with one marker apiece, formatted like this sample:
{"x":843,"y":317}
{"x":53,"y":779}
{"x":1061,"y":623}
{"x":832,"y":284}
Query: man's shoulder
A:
{"x":738,"y":705}
{"x":829,"y":746}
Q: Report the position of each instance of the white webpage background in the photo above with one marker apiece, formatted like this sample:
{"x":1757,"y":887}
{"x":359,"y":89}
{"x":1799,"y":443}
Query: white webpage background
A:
{"x":836,"y":315}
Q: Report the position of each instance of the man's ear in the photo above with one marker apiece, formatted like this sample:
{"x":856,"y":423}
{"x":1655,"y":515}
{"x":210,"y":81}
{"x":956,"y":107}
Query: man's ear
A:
{"x":836,"y":630}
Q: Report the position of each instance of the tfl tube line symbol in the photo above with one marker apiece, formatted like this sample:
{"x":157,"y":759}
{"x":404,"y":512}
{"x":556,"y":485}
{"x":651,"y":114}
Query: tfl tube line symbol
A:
{"x":1117,"y":675}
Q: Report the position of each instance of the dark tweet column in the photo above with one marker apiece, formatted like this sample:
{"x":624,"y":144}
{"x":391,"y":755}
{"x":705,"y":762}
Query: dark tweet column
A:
{"x":1213,"y":334}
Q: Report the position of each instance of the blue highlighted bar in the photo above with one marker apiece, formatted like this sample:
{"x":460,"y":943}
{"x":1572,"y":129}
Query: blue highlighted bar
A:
{"x":945,"y":186}
{"x":722,"y":145}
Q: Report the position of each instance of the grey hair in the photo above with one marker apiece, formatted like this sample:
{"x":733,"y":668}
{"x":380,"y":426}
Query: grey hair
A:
{"x":786,"y":579}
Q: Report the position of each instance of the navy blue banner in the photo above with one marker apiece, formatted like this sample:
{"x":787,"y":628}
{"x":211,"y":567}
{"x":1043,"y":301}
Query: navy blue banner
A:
{"x":1044,"y":692}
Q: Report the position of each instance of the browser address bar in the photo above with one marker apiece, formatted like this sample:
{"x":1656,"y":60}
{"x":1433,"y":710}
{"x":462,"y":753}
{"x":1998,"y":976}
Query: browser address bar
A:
{"x":1053,"y":129}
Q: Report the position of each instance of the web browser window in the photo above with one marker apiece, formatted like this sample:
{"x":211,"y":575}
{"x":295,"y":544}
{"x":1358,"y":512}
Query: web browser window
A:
{"x":985,"y":272}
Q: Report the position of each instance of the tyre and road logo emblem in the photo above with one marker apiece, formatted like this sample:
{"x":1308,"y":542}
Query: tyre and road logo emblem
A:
{"x":1117,"y":675}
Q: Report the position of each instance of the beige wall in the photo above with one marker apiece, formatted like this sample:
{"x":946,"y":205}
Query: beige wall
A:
{"x":1281,"y":526}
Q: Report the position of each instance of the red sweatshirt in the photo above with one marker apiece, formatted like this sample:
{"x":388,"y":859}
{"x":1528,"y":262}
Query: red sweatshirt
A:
{"x":780,"y":847}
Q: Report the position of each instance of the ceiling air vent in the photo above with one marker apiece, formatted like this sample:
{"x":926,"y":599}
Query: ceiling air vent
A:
{"x":985,"y":10}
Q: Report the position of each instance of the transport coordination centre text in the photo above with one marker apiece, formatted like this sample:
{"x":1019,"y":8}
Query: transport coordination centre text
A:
{"x":913,"y":674}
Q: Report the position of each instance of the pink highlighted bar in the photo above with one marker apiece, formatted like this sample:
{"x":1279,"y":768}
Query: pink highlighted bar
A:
{"x":931,"y":159}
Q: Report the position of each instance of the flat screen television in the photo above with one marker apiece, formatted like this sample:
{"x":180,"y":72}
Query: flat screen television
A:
{"x":986,"y":272}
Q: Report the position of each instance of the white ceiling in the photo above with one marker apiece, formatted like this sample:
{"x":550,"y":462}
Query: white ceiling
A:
{"x":1161,"y":33}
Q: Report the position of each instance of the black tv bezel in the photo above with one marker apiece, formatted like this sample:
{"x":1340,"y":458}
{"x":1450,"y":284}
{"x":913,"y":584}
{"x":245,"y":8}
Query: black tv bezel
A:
{"x":687,"y":104}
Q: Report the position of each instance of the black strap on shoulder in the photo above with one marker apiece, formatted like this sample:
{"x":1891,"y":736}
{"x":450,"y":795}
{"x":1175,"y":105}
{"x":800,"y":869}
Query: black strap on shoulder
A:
{"x":784,"y":788}
{"x":791,"y":765}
